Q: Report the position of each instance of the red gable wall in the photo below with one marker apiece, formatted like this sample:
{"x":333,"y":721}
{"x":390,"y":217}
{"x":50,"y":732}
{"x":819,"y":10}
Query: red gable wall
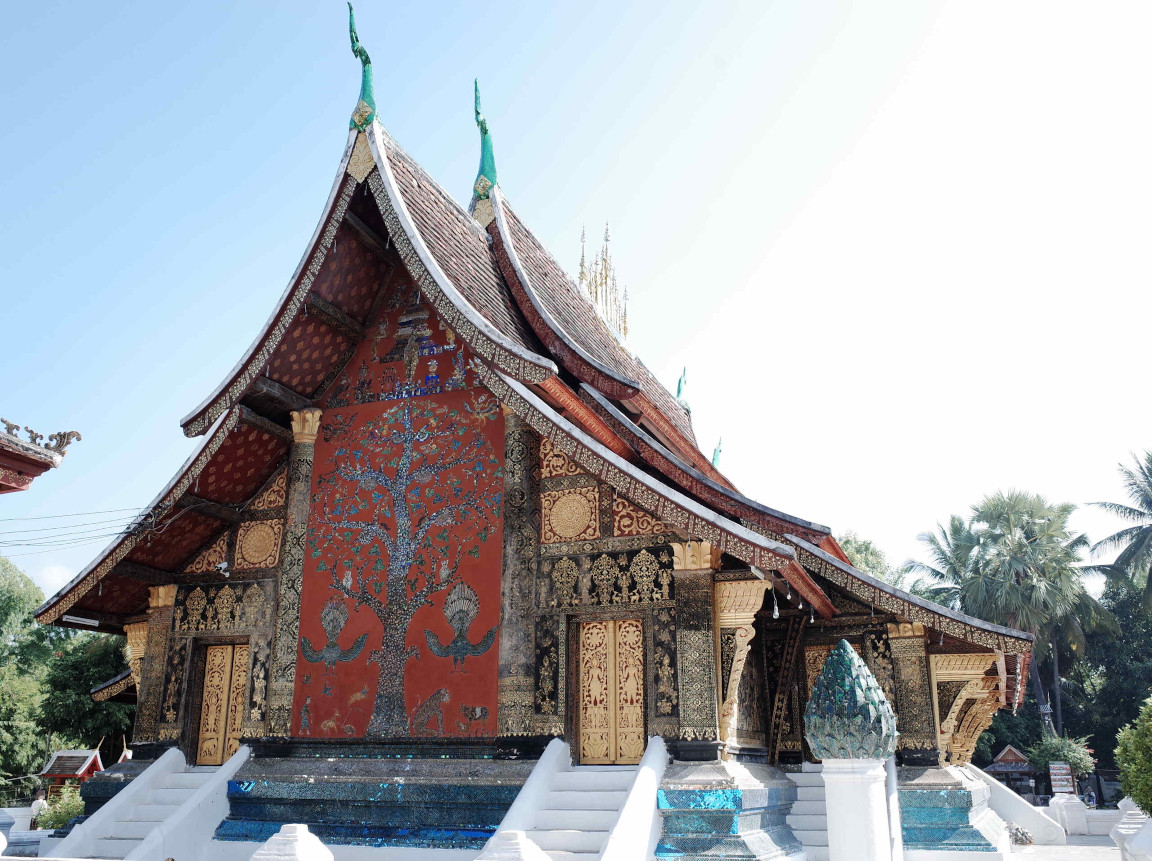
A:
{"x":400,"y":603}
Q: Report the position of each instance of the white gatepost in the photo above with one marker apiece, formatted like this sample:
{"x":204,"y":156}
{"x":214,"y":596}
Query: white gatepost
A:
{"x":851,"y":727}
{"x":855,"y":792}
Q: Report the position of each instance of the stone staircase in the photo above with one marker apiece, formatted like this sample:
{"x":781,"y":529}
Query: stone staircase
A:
{"x":579,"y":809}
{"x":127,"y":830}
{"x":808,"y":819}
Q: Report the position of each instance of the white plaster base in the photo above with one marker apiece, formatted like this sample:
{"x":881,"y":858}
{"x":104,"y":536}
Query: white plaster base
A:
{"x":1131,"y":822}
{"x":1139,"y":846}
{"x":1070,"y":812}
{"x":857,"y":802}
{"x":293,"y":843}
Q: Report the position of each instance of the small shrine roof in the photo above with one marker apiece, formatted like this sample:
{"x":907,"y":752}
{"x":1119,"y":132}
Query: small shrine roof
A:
{"x":21,"y":461}
{"x":72,"y":763}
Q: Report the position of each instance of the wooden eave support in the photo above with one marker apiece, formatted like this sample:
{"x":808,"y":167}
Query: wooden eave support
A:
{"x":333,"y":317}
{"x":371,"y":238}
{"x":254,"y":419}
{"x":215,"y":510}
{"x":281,"y":395}
{"x":143,"y":573}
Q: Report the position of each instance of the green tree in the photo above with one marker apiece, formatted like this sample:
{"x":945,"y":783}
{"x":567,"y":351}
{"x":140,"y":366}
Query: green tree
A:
{"x":79,"y":665}
{"x":870,"y":559}
{"x":1135,"y":541}
{"x":21,"y":739}
{"x":1115,"y":676}
{"x":21,"y":640}
{"x":1134,"y":756}
{"x":1015,"y":562}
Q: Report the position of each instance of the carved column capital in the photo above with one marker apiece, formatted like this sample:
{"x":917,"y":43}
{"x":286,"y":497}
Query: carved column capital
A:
{"x":695,"y":556}
{"x":161,"y":596}
{"x":306,"y":425}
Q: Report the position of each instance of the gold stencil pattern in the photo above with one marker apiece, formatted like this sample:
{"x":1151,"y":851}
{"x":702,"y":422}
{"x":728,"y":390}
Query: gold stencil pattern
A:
{"x":274,"y":495}
{"x":258,"y":544}
{"x":207,"y":561}
{"x":627,"y":519}
{"x":570,"y":515}
{"x":554,"y":462}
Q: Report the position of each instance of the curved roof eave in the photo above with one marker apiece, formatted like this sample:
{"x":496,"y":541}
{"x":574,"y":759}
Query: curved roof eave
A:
{"x":485,"y":339}
{"x":667,"y":503}
{"x":928,"y":607}
{"x":738,"y":499}
{"x":229,"y":392}
{"x":541,"y":320}
{"x":118,"y":550}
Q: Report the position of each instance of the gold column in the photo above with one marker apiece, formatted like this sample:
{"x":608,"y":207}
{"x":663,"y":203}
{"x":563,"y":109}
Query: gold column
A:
{"x":736,"y":606}
{"x":285,"y":639}
{"x":915,"y":702}
{"x":693,"y":563}
{"x":136,"y":642}
{"x":159,"y":629}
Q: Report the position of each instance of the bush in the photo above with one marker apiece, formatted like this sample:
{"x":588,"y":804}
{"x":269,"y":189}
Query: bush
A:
{"x":62,"y":809}
{"x":1074,"y":751}
{"x":1134,"y":757}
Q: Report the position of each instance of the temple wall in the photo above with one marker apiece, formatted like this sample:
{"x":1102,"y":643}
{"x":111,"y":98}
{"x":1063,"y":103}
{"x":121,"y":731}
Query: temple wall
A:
{"x":401,"y":584}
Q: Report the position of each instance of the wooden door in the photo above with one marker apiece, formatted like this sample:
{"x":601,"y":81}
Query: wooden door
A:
{"x":611,"y":691}
{"x":222,"y":705}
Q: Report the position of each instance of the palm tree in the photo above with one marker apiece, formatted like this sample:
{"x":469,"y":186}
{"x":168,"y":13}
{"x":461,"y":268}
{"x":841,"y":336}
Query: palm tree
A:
{"x":1015,"y":562}
{"x":1132,"y":565}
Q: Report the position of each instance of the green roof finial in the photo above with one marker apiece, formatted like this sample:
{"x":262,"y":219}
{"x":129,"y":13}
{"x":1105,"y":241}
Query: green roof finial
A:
{"x":682,"y":384}
{"x":486,"y":175}
{"x":365,"y":108}
{"x":716,"y":452}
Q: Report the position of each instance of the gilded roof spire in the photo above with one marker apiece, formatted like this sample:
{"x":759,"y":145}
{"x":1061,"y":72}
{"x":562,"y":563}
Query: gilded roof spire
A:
{"x":486,"y":175}
{"x":366,"y":107}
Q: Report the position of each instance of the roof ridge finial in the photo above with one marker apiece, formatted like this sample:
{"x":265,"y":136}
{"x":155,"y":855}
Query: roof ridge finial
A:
{"x":682,"y":383}
{"x":716,"y":452}
{"x":486,"y":175}
{"x":366,"y":107}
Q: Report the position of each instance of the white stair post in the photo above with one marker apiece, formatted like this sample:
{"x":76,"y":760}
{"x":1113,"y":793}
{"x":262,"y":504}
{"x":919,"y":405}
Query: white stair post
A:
{"x":857,"y":799}
{"x":850,"y":725}
{"x":293,"y":843}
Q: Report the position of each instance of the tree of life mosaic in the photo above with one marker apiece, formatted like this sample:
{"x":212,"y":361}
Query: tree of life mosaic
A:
{"x":401,"y":588}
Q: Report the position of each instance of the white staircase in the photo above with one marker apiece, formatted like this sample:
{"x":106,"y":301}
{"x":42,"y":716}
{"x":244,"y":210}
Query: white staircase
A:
{"x":127,"y":830}
{"x":170,"y":810}
{"x":809,"y":817}
{"x":579,"y":809}
{"x":583,"y":813}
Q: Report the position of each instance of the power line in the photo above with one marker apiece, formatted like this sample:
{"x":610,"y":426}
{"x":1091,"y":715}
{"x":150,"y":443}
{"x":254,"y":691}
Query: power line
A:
{"x":58,"y":516}
{"x":121,"y":519}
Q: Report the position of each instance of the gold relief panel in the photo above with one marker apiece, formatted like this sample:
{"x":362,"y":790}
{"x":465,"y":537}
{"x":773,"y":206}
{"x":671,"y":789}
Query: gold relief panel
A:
{"x":627,"y":519}
{"x":225,"y":608}
{"x":208,"y":559}
{"x":258,"y":544}
{"x":554,"y":462}
{"x":570,"y":515}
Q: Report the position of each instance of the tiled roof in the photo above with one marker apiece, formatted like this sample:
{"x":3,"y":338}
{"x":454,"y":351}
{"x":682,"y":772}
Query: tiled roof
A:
{"x":460,"y":247}
{"x":573,"y":310}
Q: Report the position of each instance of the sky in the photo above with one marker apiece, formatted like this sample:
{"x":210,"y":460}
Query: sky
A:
{"x":900,"y":247}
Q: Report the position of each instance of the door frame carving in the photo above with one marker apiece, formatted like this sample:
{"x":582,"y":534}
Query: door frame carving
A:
{"x":189,"y":741}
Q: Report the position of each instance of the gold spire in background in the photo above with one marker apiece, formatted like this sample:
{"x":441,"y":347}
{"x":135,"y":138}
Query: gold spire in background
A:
{"x":599,"y":282}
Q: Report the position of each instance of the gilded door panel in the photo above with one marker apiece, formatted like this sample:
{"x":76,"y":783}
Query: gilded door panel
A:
{"x":214,"y":708}
{"x":238,"y":695}
{"x":629,"y":690}
{"x":596,"y":692}
{"x":611,"y":692}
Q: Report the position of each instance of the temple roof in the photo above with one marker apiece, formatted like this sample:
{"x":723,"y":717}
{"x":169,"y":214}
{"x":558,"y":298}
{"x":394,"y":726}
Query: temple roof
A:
{"x":541,"y":346}
{"x":21,"y":461}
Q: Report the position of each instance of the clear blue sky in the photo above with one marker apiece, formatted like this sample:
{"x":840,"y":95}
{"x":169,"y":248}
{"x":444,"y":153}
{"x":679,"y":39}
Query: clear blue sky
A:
{"x":899,"y":246}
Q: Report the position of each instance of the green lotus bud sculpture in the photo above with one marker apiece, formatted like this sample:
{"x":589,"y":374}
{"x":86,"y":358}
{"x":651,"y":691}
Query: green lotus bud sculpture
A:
{"x":848,"y":716}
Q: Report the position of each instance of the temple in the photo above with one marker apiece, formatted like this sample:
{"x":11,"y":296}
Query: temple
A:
{"x":23,"y":461}
{"x":440,"y":516}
